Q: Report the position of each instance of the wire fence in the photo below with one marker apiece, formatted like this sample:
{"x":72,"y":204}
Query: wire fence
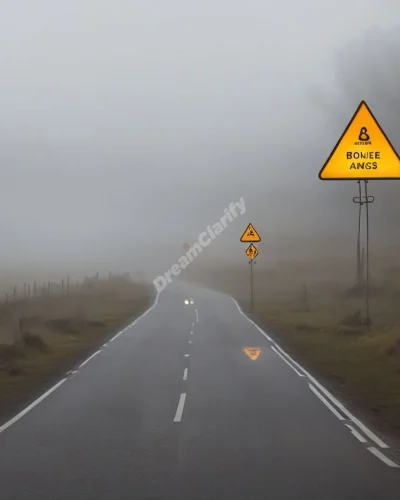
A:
{"x":25,"y":304}
{"x":50,"y":288}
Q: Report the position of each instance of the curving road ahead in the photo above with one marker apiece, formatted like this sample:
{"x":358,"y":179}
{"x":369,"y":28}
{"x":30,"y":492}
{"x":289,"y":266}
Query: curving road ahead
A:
{"x":172,"y":408}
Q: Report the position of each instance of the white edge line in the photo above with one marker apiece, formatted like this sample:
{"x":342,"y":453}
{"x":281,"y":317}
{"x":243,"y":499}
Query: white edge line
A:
{"x":116,"y":336}
{"x":330,"y":396}
{"x":185,"y":374}
{"x":89,"y":358}
{"x":31,"y":406}
{"x":382,"y":457}
{"x":354,"y":419}
{"x":356,"y":434}
{"x":179,"y":410}
{"x":251,"y":321}
{"x":286,"y":361}
{"x":137,"y":319}
{"x":326,"y":402}
{"x":291,"y":359}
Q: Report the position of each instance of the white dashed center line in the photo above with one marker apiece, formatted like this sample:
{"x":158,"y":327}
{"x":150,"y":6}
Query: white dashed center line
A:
{"x":179,"y":410}
{"x":185,"y":374}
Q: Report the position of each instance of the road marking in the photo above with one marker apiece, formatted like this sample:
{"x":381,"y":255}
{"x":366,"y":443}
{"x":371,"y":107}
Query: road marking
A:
{"x":116,"y":336}
{"x":197,"y":315}
{"x":191,"y":332}
{"x":351,"y":417}
{"x":382,"y":457}
{"x":252,"y":352}
{"x":89,"y":358}
{"x":354,"y":419}
{"x":193,"y":324}
{"x":138,"y":318}
{"x":185,"y":373}
{"x":179,"y":410}
{"x":190,"y":341}
{"x":251,"y":321}
{"x":31,"y":406}
{"x":286,"y":361}
{"x":105,"y":345}
{"x":356,"y":434}
{"x":326,"y":402}
{"x":186,"y":355}
{"x":291,"y":359}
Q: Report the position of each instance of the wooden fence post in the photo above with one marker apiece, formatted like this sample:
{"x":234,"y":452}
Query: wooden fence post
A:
{"x":306,"y":305}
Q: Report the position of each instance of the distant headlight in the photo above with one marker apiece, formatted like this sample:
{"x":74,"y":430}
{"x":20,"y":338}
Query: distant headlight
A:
{"x":186,"y":302}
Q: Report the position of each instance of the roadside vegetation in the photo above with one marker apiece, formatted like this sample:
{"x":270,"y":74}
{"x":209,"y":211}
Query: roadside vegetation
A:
{"x":42,"y":337}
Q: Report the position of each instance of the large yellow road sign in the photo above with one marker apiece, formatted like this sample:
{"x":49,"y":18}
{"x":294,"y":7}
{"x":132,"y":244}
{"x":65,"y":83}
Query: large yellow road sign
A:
{"x":363,"y":151}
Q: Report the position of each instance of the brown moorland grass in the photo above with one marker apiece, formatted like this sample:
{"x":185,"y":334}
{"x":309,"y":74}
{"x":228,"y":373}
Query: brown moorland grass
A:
{"x":42,"y":338}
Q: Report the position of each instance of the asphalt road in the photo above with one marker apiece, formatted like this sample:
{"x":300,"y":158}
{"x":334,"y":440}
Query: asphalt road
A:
{"x":173,"y":409}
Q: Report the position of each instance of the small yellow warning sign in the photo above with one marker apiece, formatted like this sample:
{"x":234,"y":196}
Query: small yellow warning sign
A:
{"x":252,"y":252}
{"x":252,"y":352}
{"x":363,"y":151}
{"x":250,"y":235}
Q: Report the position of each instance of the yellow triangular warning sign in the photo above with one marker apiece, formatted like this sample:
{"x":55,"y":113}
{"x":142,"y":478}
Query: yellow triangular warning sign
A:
{"x":251,"y":252}
{"x":250,"y":235}
{"x":252,"y":352}
{"x":363,"y":151}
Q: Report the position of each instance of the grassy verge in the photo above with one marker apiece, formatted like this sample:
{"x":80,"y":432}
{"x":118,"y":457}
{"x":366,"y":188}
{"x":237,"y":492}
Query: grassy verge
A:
{"x":43,"y":338}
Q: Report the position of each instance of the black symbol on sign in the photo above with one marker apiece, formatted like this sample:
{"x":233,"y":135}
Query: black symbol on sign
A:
{"x":250,"y":250}
{"x":363,"y":136}
{"x":251,"y":232}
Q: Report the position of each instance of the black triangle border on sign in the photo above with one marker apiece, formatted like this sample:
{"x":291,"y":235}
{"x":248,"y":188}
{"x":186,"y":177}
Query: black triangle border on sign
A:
{"x":245,"y":231}
{"x":340,"y":140}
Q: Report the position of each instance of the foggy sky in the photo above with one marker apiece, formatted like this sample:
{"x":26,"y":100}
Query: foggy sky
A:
{"x":128,"y":126}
